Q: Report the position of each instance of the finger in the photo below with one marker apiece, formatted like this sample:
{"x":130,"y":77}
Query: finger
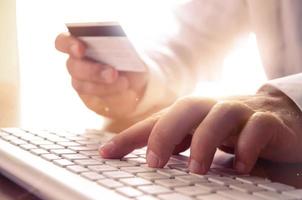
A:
{"x":134,"y":137}
{"x":255,"y":136}
{"x":225,"y":119}
{"x":71,"y":45}
{"x":172,"y":128}
{"x":86,"y":70}
{"x":100,"y":89}
{"x":184,"y":145}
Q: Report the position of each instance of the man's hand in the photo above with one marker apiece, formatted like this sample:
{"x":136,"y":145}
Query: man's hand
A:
{"x":267,"y":125}
{"x":102,"y":88}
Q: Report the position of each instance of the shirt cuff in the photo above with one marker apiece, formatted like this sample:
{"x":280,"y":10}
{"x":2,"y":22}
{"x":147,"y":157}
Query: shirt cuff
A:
{"x":290,"y":86}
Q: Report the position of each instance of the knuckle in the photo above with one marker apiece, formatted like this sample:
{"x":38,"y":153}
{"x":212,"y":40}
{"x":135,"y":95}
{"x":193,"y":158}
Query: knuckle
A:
{"x":76,"y":85}
{"x":231,"y":108}
{"x":264,"y":119}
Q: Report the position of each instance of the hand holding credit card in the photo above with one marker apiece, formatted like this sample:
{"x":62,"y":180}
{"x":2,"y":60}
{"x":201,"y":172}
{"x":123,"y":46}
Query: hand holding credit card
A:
{"x":107,"y":43}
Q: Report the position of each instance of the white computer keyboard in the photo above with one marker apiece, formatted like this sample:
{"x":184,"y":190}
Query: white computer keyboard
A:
{"x":132,"y":178}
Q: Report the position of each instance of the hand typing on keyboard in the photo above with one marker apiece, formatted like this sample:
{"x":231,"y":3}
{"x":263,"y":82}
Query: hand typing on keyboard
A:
{"x":267,"y":125}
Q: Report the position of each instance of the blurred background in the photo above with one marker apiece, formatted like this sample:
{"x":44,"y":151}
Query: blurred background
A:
{"x":35,"y":86}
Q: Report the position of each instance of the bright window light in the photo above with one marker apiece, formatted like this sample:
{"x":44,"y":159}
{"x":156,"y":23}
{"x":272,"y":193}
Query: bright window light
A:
{"x":47,"y":98}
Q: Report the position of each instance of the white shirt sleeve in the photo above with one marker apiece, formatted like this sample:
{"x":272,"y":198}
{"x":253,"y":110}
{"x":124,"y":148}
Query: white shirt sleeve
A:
{"x":291,"y":86}
{"x":207,"y":29}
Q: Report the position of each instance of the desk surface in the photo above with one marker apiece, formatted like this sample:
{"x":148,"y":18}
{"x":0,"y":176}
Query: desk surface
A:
{"x":290,"y":174}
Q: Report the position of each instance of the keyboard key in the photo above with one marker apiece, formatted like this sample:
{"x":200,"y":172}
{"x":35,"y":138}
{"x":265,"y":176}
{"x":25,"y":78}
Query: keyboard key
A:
{"x":192,"y":190}
{"x":68,"y":144}
{"x":138,"y":161}
{"x":110,"y":183}
{"x":40,"y":142}
{"x":102,"y":168}
{"x":252,"y":179}
{"x":270,"y":195}
{"x":171,"y":172}
{"x":63,"y":162}
{"x":50,"y":157}
{"x":90,"y":153}
{"x":277,"y":187}
{"x":154,"y":189}
{"x":129,"y":192}
{"x":224,"y":180}
{"x":28,"y":146}
{"x":237,"y":195}
{"x":152,"y":176}
{"x":86,"y":162}
{"x":135,"y":181}
{"x":18,"y":142}
{"x":191,"y":179}
{"x":83,"y":148}
{"x":294,"y":193}
{"x":147,"y":197}
{"x":173,"y":196}
{"x":181,"y":167}
{"x":51,"y":146}
{"x":74,"y":156}
{"x":171,"y":183}
{"x":92,"y":176}
{"x":246,"y":187}
{"x":119,"y":163}
{"x":39,"y":151}
{"x":212,"y":197}
{"x":213,"y":187}
{"x":117,"y":174}
{"x":77,"y":168}
{"x":137,"y":169}
{"x":62,"y":151}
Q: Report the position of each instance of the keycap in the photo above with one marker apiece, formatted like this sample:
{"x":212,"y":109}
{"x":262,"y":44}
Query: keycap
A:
{"x":137,"y":160}
{"x":74,"y":156}
{"x":277,"y":187}
{"x":171,"y":183}
{"x":50,"y":157}
{"x":77,"y":168}
{"x":270,"y":195}
{"x":152,"y":176}
{"x":135,"y":170}
{"x":40,"y":142}
{"x":154,"y":189}
{"x":252,"y":179}
{"x":173,"y":196}
{"x":86,"y":162}
{"x":171,"y":172}
{"x":147,"y":197}
{"x":192,"y":179}
{"x":129,"y":192}
{"x":87,"y":142}
{"x":62,"y":151}
{"x":181,"y":167}
{"x":63,"y":162}
{"x":192,"y":190}
{"x":28,"y":146}
{"x":110,"y":183}
{"x":224,"y":180}
{"x":246,"y":187}
{"x":90,"y":153}
{"x":18,"y":142}
{"x":238,"y":195}
{"x":117,"y":174}
{"x":213,"y":187}
{"x":135,"y":181}
{"x":212,"y":197}
{"x":51,"y":146}
{"x":92,"y":176}
{"x":119,"y":163}
{"x":68,"y":144}
{"x":82,"y":148}
{"x":39,"y":151}
{"x":102,"y":168}
{"x":294,"y":193}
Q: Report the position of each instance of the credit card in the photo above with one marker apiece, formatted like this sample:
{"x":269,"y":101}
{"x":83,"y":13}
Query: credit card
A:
{"x":107,"y":43}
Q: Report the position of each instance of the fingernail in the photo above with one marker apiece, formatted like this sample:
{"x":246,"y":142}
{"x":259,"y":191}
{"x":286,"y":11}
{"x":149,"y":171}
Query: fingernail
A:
{"x":152,"y":159}
{"x":196,"y":167}
{"x":240,"y":167}
{"x":107,"y":149}
{"x":74,"y":49}
{"x":108,"y":75}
